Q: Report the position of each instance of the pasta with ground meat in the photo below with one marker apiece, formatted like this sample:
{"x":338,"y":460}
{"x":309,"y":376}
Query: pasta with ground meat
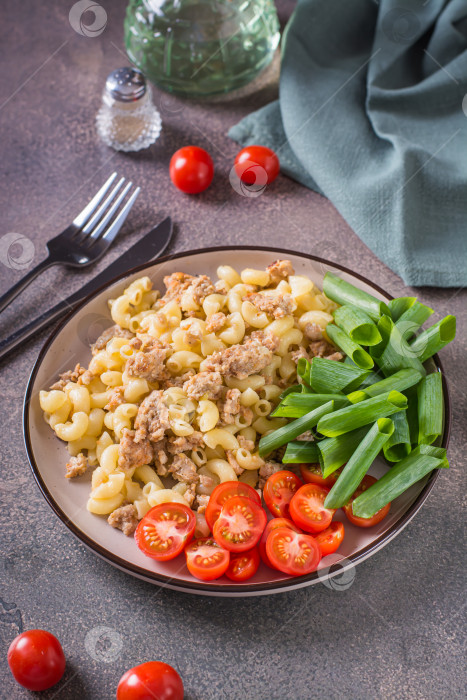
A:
{"x":179,"y":390}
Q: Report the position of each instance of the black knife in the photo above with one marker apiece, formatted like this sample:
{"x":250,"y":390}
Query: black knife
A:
{"x":146,"y":249}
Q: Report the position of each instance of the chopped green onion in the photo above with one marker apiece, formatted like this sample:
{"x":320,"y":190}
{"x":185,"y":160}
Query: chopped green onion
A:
{"x":343,"y":292}
{"x":414,"y":317}
{"x":398,"y":479}
{"x":336,"y":451}
{"x":398,"y":446}
{"x":286,"y":433}
{"x":434,"y":339}
{"x":360,"y":356}
{"x":430,"y":408}
{"x":399,"y":381}
{"x":397,"y":353}
{"x":299,"y":451}
{"x":330,"y":377}
{"x":356,"y":396}
{"x":409,"y":309}
{"x":296,"y":405}
{"x":290,"y":390}
{"x":359,"y":463}
{"x":357,"y":324}
{"x":412,"y":413}
{"x":362,"y":413}
{"x":304,"y":370}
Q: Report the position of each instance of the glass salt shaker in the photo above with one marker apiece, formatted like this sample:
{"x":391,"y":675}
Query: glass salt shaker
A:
{"x":128,"y":119}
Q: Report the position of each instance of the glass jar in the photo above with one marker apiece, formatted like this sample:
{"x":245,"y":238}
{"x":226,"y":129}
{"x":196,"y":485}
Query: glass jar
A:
{"x":197,"y":48}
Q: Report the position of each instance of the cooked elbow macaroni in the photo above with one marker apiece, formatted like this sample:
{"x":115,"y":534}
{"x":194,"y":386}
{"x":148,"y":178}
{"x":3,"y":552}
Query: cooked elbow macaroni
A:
{"x":161,"y":345}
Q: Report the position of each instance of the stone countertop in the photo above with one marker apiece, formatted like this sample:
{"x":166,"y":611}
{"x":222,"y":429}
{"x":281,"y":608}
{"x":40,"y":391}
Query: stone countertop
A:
{"x":397,"y":631}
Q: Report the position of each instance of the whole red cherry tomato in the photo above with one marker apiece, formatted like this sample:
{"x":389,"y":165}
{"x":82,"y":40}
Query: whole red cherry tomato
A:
{"x":36,"y":659}
{"x":191,"y":169}
{"x":153,"y":679}
{"x":257,"y":165}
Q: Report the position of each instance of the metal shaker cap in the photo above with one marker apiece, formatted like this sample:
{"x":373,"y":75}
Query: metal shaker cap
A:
{"x":126,"y":84}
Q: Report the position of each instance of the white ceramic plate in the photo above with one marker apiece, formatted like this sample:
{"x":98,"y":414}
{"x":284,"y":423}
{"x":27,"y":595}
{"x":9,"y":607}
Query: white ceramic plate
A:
{"x":69,"y":344}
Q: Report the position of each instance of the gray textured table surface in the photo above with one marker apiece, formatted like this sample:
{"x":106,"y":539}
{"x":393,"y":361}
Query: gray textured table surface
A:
{"x":397,"y":632}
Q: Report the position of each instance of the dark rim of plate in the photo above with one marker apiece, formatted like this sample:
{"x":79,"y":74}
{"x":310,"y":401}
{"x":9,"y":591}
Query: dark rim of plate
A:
{"x":207,"y":588}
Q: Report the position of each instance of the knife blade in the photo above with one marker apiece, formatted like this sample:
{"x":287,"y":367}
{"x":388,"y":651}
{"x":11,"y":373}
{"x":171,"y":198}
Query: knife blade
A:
{"x":148,"y":248}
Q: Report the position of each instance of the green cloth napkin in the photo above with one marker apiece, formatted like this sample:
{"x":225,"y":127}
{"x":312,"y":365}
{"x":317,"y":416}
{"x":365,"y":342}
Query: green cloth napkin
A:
{"x":372,"y":113}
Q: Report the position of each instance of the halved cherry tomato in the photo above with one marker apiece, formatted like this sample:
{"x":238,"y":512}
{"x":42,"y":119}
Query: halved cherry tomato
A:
{"x":273,"y":525}
{"x":165,"y":530}
{"x":365,"y":522}
{"x":279,"y":490}
{"x":206,"y":560}
{"x":36,"y":660}
{"x":330,"y":539}
{"x":222,"y":493}
{"x":154,"y":679}
{"x":307,"y":508}
{"x":240,"y":524}
{"x":291,"y":552}
{"x":257,"y":165}
{"x":191,"y":169}
{"x":243,"y":565}
{"x":313,"y":474}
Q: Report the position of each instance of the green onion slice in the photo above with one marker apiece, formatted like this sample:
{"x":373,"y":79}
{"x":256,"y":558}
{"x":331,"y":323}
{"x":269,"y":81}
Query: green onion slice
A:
{"x":360,"y":356}
{"x":330,"y":377}
{"x":399,"y":381}
{"x":434,"y":339}
{"x":359,"y":463}
{"x":281,"y":436}
{"x":296,"y":405}
{"x":343,"y":292}
{"x":430,"y":408}
{"x":399,"y":478}
{"x":397,"y":353}
{"x":299,"y":451}
{"x":336,"y":451}
{"x":398,"y":446}
{"x":362,"y":413}
{"x":357,"y":324}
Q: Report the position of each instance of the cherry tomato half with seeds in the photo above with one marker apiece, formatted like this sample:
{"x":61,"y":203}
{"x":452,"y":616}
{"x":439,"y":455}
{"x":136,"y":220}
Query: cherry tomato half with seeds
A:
{"x":243,"y":565}
{"x":153,"y":679}
{"x":365,"y":522}
{"x":205,"y":559}
{"x":257,"y":165}
{"x":191,"y":169}
{"x":293,"y":553}
{"x":240,"y":524}
{"x":307,"y":508}
{"x":330,"y":539}
{"x":313,"y":474}
{"x":279,"y":490}
{"x":273,"y":525}
{"x":36,"y":660}
{"x":222,"y":493}
{"x":165,"y":530}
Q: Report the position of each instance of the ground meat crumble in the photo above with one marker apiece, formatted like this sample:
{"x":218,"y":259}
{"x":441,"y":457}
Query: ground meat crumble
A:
{"x":76,"y":466}
{"x":184,"y":469}
{"x":204,"y":384}
{"x":239,"y":360}
{"x":279,"y":270}
{"x":108,"y":334}
{"x":72,"y":375}
{"x":124,"y":518}
{"x":152,"y":419}
{"x":131,"y":453}
{"x":277,"y":306}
